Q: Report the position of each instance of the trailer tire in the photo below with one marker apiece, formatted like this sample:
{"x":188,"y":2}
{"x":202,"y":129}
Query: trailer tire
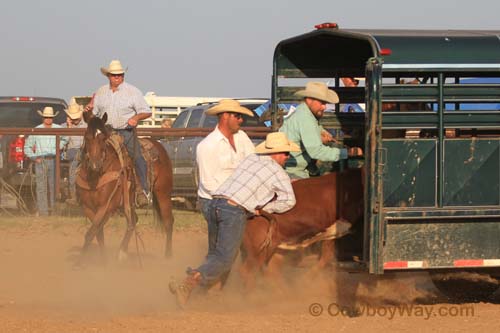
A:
{"x":459,"y":287}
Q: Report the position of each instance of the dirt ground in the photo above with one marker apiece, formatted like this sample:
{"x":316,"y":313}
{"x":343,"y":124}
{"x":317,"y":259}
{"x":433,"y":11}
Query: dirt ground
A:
{"x":42,"y":291}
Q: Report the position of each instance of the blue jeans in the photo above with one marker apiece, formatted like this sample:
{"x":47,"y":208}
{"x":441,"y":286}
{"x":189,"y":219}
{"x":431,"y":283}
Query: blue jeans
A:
{"x":45,"y":174}
{"x":73,"y":155}
{"x":134,"y":151}
{"x":229,"y":223}
{"x":211,"y":224}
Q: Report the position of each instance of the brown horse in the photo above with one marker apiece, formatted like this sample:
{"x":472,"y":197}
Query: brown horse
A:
{"x":105,"y":184}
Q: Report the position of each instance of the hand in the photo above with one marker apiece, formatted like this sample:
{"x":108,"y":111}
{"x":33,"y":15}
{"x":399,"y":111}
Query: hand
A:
{"x":354,"y":152}
{"x":257,"y":212}
{"x":38,"y":160}
{"x":89,"y":107}
{"x":133,"y":122}
{"x":326,"y":137}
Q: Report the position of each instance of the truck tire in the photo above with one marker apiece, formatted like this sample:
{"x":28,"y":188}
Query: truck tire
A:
{"x":459,"y":287}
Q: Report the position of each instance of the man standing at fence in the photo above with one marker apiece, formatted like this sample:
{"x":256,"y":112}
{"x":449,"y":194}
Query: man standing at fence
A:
{"x":74,"y":120}
{"x":218,"y":154}
{"x":41,"y":149}
{"x":126,"y":107}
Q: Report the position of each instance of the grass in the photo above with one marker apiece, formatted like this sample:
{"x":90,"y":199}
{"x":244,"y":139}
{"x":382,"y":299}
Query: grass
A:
{"x":183,"y":220}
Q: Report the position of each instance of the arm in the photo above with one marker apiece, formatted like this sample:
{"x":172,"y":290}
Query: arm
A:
{"x":207,"y":167}
{"x":133,"y":121}
{"x":141,"y":108}
{"x":311,"y":139}
{"x":285,"y":197}
{"x":28,"y":147}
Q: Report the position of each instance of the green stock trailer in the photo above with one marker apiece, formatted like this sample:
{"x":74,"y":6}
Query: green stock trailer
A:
{"x":427,"y":116}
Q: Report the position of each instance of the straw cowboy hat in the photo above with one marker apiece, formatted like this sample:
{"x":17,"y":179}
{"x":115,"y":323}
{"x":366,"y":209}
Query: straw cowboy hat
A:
{"x":115,"y":67}
{"x":276,"y":142}
{"x":319,"y":91}
{"x":228,"y":105}
{"x":74,"y":111}
{"x":48,"y":112}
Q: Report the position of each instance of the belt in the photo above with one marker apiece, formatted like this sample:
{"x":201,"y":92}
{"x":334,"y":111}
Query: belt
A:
{"x":229,"y":201}
{"x":48,"y":157}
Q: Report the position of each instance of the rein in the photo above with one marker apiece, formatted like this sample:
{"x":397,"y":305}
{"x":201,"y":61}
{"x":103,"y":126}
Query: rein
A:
{"x":106,"y":178}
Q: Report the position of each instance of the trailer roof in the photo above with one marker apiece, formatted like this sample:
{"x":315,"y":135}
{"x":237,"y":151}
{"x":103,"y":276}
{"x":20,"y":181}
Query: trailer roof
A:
{"x":422,"y":49}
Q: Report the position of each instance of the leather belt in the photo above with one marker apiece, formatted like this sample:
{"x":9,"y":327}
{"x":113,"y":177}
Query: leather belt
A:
{"x":48,"y":157}
{"x":229,"y":201}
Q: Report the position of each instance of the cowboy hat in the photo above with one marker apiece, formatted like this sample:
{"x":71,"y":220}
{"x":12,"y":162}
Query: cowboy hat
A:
{"x":276,"y":142}
{"x":74,"y":111}
{"x":319,"y":91}
{"x":48,"y":112}
{"x":115,"y":67}
{"x":228,"y":105}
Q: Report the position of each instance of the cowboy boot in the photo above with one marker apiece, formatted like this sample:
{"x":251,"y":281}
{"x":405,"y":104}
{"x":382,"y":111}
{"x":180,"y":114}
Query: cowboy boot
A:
{"x":183,"y":290}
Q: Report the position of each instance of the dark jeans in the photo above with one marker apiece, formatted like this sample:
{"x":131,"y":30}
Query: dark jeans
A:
{"x":228,"y":224}
{"x":211,"y":225}
{"x":134,"y":150}
{"x":73,"y":155}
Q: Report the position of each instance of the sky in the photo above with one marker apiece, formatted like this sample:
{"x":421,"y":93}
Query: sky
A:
{"x":220,"y":48}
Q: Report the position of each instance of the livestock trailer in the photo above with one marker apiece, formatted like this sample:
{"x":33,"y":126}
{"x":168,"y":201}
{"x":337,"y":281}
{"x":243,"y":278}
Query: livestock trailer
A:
{"x":430,"y":132}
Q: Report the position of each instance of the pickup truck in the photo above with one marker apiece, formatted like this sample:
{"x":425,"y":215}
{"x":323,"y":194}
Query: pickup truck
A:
{"x":182,"y":150}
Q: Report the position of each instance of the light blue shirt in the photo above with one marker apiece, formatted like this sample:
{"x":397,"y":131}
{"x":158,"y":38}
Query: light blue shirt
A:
{"x":121,"y":105}
{"x":43,"y":145}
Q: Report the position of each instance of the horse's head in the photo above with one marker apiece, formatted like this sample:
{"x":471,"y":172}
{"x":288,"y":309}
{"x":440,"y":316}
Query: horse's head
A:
{"x":95,"y":143}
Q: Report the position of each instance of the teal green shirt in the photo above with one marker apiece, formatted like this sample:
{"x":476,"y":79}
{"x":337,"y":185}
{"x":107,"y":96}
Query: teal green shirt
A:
{"x":303,"y":128}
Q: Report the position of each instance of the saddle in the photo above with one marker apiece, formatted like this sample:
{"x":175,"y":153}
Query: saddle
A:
{"x":148,"y":150}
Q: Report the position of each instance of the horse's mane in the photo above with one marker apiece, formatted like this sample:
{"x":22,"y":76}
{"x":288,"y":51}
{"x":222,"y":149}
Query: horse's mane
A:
{"x":95,"y":124}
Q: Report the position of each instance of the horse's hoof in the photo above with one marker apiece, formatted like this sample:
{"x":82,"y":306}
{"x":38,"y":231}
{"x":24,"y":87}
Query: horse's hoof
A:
{"x":122,"y":256}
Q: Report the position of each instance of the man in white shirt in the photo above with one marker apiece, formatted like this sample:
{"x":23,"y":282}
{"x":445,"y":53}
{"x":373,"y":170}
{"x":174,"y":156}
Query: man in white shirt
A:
{"x":219,"y":154}
{"x":258,"y":183}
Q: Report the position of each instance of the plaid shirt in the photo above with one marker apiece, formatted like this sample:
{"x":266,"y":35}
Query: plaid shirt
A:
{"x":257,"y":180}
{"x":76,"y":141}
{"x":43,"y":145}
{"x":120,"y":105}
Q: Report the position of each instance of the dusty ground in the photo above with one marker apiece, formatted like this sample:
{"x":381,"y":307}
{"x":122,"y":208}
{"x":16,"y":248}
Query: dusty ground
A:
{"x":41,"y":291}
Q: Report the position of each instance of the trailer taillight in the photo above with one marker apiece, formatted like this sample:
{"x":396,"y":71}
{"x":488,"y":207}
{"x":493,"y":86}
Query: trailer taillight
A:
{"x":16,"y":150}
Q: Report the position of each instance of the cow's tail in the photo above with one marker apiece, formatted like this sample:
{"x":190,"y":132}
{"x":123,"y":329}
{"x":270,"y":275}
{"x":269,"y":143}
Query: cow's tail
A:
{"x":270,"y":231}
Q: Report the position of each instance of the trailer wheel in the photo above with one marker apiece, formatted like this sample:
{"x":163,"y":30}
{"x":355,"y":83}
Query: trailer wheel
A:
{"x":459,"y":287}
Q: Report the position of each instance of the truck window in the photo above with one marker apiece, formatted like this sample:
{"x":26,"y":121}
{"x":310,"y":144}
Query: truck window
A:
{"x":194,"y":120}
{"x":180,"y":120}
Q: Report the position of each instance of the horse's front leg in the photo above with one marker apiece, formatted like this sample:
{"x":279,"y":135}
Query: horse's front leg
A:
{"x":100,"y":241}
{"x":95,"y":230}
{"x":131,"y":222}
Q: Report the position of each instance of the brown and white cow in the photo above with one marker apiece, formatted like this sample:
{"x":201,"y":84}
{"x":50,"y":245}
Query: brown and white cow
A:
{"x":321,"y":201}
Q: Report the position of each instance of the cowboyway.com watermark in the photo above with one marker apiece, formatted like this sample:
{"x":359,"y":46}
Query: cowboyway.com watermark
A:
{"x":390,"y":312}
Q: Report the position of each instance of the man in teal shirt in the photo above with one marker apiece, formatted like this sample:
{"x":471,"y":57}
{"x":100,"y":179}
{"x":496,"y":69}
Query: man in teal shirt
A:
{"x":303,"y":128}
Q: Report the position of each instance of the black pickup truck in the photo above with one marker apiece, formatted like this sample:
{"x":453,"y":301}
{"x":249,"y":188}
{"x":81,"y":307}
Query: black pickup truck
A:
{"x":182,"y":150}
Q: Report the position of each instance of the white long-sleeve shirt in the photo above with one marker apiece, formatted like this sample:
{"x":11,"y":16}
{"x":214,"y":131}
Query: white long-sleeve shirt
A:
{"x":217,"y":159}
